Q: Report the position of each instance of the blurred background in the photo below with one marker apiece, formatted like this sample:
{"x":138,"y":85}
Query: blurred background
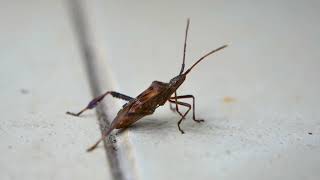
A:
{"x":259,"y":96}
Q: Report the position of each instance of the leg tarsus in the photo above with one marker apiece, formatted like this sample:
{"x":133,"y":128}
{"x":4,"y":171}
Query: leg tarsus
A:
{"x":199,"y":120}
{"x":76,"y":114}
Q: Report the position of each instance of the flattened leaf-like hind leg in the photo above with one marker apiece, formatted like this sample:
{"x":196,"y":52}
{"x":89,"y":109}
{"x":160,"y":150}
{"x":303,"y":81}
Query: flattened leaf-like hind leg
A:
{"x":93,"y":103}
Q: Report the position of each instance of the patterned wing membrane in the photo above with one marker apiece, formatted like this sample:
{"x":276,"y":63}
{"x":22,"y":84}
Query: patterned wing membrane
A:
{"x":146,"y":96}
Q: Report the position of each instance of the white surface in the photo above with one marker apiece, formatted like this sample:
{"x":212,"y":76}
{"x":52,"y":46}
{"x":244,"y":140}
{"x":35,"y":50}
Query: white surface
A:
{"x":259,"y":96}
{"x":41,"y":77}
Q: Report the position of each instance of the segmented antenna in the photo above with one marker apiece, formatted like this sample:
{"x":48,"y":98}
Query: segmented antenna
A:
{"x":185,"y":46}
{"x":206,"y":55}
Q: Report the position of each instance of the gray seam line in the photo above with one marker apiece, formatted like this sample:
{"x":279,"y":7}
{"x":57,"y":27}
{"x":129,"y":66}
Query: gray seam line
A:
{"x":80,"y":27}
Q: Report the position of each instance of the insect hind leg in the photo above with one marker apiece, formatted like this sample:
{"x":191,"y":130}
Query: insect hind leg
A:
{"x":94,"y":102}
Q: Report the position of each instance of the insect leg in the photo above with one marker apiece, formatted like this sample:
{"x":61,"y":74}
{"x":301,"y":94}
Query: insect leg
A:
{"x":177,"y":107}
{"x":104,"y":135}
{"x":93,"y":103}
{"x":184,"y":115}
{"x":193,"y":104}
{"x":174,"y":109}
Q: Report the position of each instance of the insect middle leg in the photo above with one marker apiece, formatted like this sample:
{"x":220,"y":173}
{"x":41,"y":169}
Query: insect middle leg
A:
{"x":193,"y":105}
{"x":93,"y":103}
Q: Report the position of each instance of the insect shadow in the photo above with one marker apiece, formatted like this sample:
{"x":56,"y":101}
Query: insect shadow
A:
{"x":147,"y":125}
{"x":152,"y":125}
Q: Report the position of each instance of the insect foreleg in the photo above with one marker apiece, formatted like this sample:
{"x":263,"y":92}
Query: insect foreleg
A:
{"x":93,"y":103}
{"x":183,"y":116}
{"x":173,"y":108}
{"x":193,"y":105}
{"x":177,"y":107}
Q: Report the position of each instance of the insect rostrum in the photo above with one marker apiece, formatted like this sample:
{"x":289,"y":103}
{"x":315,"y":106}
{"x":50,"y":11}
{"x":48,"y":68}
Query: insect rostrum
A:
{"x":157,"y":94}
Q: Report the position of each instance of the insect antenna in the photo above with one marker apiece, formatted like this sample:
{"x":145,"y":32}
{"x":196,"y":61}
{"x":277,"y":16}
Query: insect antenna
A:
{"x":185,"y":46}
{"x":206,"y":55}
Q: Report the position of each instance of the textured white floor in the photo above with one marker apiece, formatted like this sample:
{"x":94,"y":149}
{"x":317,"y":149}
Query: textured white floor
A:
{"x":259,"y":96}
{"x":41,"y":77}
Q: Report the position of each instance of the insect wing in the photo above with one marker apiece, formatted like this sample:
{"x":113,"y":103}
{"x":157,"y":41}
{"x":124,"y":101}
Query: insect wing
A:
{"x":147,"y":96}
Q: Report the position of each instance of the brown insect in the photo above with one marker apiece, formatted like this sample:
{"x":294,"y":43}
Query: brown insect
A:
{"x":149,"y":100}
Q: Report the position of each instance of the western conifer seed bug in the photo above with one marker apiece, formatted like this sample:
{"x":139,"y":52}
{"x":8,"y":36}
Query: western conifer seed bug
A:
{"x":157,"y":94}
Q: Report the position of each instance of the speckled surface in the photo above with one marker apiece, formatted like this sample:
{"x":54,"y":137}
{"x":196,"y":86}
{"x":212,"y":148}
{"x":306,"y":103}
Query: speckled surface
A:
{"x":259,"y":96}
{"x":41,"y":77}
